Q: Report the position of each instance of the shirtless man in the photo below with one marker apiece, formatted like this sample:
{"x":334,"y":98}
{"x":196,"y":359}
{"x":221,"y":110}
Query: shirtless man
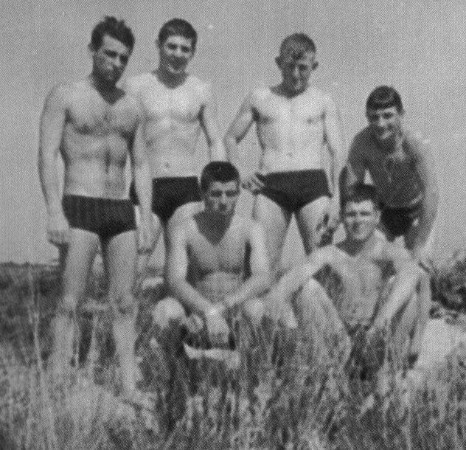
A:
{"x":177,"y":106}
{"x":402,"y":169}
{"x":296,"y":124}
{"x":92,"y":124}
{"x":385,"y":295}
{"x":216,"y":263}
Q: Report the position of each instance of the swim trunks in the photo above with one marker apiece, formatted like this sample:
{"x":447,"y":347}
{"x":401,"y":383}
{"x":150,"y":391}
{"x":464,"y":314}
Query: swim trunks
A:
{"x":295,"y":189}
{"x":398,"y":221}
{"x":106,"y":217}
{"x":168,"y":194}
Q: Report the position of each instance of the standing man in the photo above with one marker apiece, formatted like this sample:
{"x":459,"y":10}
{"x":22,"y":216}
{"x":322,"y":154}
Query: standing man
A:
{"x":384,"y":296}
{"x":296,"y":124}
{"x":177,"y":106}
{"x":402,"y":169}
{"x":93,"y":125}
{"x":217,"y":262}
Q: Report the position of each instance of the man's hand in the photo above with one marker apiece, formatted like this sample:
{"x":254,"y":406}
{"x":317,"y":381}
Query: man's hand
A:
{"x":253,"y":184}
{"x":333,"y":215}
{"x":146,"y":236}
{"x":58,"y":230}
{"x":217,"y":326}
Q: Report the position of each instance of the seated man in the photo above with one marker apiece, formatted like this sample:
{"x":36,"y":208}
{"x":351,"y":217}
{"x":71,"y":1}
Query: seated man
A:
{"x":384,"y":298}
{"x":216,"y":262}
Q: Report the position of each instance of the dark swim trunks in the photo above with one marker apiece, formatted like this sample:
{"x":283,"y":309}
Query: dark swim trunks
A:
{"x":293,"y":190}
{"x":168,"y":194}
{"x":398,"y":221}
{"x":105,"y":217}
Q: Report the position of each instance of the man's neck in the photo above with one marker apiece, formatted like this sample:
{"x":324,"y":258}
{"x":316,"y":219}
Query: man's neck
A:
{"x":103,"y":86}
{"x":170,"y":79}
{"x":360,"y":248}
{"x":282,"y":91}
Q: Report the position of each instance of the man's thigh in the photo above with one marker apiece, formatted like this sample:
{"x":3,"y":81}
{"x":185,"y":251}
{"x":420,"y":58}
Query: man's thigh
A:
{"x":275,"y":220}
{"x":312,"y":220}
{"x":80,"y":253}
{"x":120,"y":254}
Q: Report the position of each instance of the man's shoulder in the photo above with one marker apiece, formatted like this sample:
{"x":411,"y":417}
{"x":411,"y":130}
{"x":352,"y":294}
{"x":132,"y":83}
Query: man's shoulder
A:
{"x":65,"y":92}
{"x":362,"y":142}
{"x":415,"y":141}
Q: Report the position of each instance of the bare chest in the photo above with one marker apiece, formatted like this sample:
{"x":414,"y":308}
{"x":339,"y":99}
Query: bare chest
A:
{"x":94,"y":116}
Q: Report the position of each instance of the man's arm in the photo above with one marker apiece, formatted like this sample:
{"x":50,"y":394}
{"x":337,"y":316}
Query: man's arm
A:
{"x":209,"y":123}
{"x":425,"y":165}
{"x":52,"y":123}
{"x":335,"y":145}
{"x":294,"y":279}
{"x":261,"y":278}
{"x":177,"y":270}
{"x":238,"y":129}
{"x":143,"y":186}
{"x":355,"y":169}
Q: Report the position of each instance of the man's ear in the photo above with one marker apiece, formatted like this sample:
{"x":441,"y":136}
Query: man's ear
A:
{"x":315,"y":65}
{"x":278,"y":61}
{"x":91,"y":50}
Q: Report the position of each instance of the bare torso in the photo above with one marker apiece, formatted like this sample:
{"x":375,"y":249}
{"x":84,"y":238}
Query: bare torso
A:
{"x":363,"y":278}
{"x":395,"y":174}
{"x":218,"y":264}
{"x":97,"y":136}
{"x":172,"y":122}
{"x":291,"y":131}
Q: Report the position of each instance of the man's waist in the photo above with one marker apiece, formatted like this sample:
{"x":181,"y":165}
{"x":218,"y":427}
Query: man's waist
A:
{"x":218,"y":285}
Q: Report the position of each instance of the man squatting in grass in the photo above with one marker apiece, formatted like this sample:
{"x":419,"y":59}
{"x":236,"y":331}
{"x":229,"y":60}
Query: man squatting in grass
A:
{"x":385,"y":298}
{"x":402,"y":169}
{"x":176,"y":107}
{"x":217,"y":263}
{"x":93,"y":125}
{"x":296,"y":124}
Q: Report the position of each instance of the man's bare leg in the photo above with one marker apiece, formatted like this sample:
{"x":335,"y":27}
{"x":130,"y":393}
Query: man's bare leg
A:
{"x":275,"y":221}
{"x":80,"y":255}
{"x":120,"y":258}
{"x":319,"y":319}
{"x":311,"y":223}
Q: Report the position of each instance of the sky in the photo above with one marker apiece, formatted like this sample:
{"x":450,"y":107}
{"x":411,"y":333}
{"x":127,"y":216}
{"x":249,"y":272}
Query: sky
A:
{"x":417,"y":46}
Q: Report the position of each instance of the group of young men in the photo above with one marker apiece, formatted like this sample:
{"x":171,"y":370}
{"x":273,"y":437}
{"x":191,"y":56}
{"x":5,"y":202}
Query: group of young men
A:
{"x":219,"y":263}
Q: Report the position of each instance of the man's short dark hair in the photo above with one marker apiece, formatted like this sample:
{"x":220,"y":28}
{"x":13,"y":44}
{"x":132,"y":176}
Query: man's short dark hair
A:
{"x":297,"y":45}
{"x":114,"y":28}
{"x":360,"y":192}
{"x":222,"y":171}
{"x":178,"y":27}
{"x":384,"y":97}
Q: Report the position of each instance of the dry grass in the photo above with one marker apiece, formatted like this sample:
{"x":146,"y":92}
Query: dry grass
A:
{"x":278,"y":398}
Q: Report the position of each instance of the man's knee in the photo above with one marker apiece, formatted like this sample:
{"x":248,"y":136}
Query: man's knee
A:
{"x":67,"y":306}
{"x":254,"y":311}
{"x":125,"y":305}
{"x":167,"y":310}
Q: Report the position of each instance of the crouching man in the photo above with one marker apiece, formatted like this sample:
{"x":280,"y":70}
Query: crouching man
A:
{"x":382,"y":306}
{"x":217,"y":263}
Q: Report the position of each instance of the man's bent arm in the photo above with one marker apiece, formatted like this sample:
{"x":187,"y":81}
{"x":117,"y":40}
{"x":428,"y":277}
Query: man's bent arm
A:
{"x":177,"y":271}
{"x":211,"y":130}
{"x":293,"y":280}
{"x":261,"y":276}
{"x":426,"y":166}
{"x":52,"y":123}
{"x":238,"y":129}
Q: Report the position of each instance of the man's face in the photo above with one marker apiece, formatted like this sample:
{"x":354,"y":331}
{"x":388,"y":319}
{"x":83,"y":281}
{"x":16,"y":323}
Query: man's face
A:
{"x":175,"y":54}
{"x":360,"y":220}
{"x":220,"y":198}
{"x":296,"y":72}
{"x":385,"y":123}
{"x":110,"y":59}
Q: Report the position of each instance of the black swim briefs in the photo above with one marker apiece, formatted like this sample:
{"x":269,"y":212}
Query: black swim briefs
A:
{"x":105,"y":217}
{"x":293,"y":190}
{"x":398,"y":221}
{"x":168,"y":194}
